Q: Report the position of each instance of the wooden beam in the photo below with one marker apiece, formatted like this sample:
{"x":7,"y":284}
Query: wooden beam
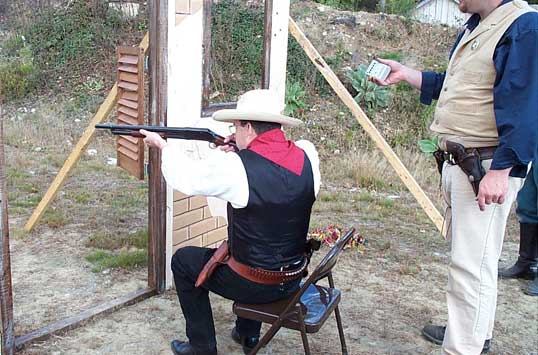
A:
{"x":367,"y":125}
{"x":157,"y":116}
{"x":77,"y":152}
{"x":83,"y":317}
{"x":6,"y":291}
{"x":267,"y":37}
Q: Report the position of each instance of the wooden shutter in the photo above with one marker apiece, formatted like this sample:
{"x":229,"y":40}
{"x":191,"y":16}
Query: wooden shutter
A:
{"x":130,"y":108}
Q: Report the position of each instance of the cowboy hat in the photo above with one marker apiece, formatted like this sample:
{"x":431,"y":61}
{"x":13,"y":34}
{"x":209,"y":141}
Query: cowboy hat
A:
{"x":257,"y":105}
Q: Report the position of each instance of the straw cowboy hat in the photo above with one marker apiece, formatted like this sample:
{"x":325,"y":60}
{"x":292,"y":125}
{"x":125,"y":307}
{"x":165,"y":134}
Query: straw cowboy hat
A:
{"x":257,"y":105}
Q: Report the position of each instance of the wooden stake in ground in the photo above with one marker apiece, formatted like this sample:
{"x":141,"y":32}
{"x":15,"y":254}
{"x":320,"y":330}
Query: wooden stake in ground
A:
{"x":367,"y":125}
{"x":76,"y":153}
{"x":6,"y":294}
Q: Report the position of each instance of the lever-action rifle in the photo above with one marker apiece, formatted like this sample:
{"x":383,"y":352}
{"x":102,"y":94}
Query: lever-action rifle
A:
{"x":199,"y":134}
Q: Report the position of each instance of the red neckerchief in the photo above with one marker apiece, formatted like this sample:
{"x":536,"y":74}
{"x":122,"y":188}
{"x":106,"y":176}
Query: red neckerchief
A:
{"x":273,"y":146}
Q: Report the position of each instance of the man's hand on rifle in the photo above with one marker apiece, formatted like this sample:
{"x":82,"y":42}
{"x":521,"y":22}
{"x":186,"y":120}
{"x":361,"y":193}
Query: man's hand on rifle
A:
{"x":493,"y":188}
{"x":153,"y":140}
{"x":227,"y":147}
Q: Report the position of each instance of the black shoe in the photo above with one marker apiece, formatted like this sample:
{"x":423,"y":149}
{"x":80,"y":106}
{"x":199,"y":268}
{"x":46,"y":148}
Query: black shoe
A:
{"x":522,"y":269}
{"x":436,"y":334}
{"x":248,"y":343}
{"x":184,"y":348}
{"x":532,"y":290}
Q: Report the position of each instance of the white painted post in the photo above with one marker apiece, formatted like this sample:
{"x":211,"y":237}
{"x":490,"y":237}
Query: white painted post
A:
{"x":279,"y":48}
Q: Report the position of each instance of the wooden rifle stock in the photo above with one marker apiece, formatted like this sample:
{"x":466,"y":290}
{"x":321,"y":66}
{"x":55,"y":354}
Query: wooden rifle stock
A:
{"x":189,"y":133}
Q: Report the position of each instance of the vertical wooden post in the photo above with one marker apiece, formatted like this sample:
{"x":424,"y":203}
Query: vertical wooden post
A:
{"x":206,"y":57}
{"x":158,"y":61}
{"x":6,"y":293}
{"x":267,"y":36}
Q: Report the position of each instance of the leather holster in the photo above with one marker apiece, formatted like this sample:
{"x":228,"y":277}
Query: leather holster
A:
{"x":219,"y":257}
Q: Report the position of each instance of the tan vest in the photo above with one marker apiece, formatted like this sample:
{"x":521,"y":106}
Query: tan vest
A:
{"x":464,"y":112}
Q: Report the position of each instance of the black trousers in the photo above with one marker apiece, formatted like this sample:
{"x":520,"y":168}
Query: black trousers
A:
{"x":186,"y":265}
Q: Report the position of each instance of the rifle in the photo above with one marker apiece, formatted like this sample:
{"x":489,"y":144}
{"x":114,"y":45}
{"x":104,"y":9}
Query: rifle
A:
{"x":199,"y":134}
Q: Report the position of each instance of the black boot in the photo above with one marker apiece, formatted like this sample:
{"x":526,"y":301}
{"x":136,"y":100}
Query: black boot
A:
{"x":248,"y":343}
{"x":532,"y":290}
{"x":184,"y":348}
{"x":528,"y":254}
{"x":436,"y":334}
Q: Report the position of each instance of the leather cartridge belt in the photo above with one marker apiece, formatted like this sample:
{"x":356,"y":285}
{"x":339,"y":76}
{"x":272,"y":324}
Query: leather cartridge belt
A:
{"x":484,"y":153}
{"x":266,"y":277}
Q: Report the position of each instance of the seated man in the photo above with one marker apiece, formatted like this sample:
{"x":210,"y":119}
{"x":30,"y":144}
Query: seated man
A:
{"x":270,"y":184}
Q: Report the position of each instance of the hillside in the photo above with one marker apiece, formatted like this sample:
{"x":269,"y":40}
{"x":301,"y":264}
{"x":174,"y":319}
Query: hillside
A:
{"x":391,"y":288}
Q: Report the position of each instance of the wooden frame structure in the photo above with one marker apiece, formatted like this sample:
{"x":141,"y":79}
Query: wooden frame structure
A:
{"x":207,"y":108}
{"x":157,"y":204}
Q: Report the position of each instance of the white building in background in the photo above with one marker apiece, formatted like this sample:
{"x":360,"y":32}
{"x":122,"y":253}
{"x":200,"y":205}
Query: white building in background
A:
{"x":444,"y":12}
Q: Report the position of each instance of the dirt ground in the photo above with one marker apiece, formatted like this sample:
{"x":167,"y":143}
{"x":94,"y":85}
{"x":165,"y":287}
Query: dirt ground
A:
{"x":389,"y":292}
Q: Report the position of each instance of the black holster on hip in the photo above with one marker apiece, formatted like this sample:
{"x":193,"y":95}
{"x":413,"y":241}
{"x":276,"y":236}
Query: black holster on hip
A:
{"x":467,"y":159}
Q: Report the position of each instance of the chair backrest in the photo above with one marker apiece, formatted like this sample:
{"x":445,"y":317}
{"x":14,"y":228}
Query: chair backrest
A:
{"x":328,"y":262}
{"x":323,"y":268}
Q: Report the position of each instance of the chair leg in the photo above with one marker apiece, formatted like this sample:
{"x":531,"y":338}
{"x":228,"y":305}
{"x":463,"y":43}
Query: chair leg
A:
{"x":267,"y":336}
{"x":303,"y":332}
{"x":340,"y":331}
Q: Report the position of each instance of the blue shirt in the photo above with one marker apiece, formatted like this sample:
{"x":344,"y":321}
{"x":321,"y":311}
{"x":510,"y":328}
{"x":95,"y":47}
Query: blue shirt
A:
{"x":515,"y":92}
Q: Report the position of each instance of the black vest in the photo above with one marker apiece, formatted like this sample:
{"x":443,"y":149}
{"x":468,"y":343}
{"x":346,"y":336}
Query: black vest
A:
{"x":271,"y":230}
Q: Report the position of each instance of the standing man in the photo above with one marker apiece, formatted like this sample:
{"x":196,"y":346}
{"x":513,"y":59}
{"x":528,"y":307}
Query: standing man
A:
{"x":486,"y":120}
{"x":270,"y":185}
{"x":527,"y":212}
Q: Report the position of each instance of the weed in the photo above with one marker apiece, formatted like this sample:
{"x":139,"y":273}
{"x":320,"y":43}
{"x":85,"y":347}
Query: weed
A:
{"x":111,"y":241}
{"x":81,"y":197}
{"x":353,"y":5}
{"x":54,"y":218}
{"x":294,"y":100}
{"x":386,"y":203}
{"x":372,"y":96}
{"x":17,"y":233}
{"x":29,"y":201}
{"x":125,"y":260}
{"x":18,"y":74}
{"x":365,"y":197}
{"x":397,"y":56}
{"x":400,"y":7}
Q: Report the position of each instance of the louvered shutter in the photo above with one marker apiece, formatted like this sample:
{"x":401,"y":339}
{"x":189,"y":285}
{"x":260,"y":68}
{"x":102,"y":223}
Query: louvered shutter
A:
{"x":130,"y":108}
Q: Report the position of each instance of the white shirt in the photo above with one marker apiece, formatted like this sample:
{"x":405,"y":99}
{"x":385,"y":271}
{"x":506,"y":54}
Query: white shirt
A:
{"x":220,"y":175}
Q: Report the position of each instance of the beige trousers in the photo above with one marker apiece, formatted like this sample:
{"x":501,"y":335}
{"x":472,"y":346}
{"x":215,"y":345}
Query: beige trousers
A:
{"x":476,"y":242}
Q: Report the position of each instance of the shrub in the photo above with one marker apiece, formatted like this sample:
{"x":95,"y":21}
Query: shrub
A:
{"x":352,"y":5}
{"x":294,"y":100}
{"x":18,"y":75}
{"x":400,"y":7}
{"x":372,"y":96}
{"x":236,"y":48}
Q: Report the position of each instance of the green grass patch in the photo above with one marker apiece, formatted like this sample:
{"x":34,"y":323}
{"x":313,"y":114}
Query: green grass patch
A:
{"x":28,"y":201}
{"x":397,"y":56}
{"x":112,"y":241}
{"x":127,"y":260}
{"x":386,"y":203}
{"x":55,"y":219}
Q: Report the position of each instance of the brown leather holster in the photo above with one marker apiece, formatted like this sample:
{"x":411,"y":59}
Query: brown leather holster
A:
{"x":218,"y":258}
{"x":267,"y":277}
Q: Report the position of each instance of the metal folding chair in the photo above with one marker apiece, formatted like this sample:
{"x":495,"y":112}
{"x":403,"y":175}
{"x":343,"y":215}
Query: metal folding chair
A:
{"x":305,"y":311}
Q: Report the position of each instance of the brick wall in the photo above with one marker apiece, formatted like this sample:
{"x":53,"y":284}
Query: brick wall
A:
{"x":194,"y":225}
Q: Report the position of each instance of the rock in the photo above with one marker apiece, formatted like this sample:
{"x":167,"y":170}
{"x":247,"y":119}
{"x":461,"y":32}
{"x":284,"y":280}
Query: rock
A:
{"x":348,"y":20}
{"x":91,"y":152}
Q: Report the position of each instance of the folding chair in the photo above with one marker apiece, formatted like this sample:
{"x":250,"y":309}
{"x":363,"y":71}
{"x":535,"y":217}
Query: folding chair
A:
{"x":305,"y":311}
